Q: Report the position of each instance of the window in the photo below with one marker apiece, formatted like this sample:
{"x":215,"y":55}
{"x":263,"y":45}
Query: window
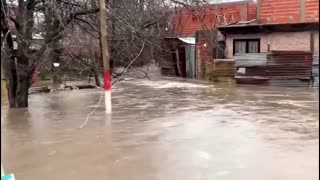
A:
{"x":246,"y":46}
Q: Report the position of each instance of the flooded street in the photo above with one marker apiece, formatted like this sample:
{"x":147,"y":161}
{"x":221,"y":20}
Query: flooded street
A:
{"x":165,"y":130}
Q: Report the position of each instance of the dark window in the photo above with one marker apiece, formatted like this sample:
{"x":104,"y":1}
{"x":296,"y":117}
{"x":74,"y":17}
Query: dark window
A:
{"x":246,"y":46}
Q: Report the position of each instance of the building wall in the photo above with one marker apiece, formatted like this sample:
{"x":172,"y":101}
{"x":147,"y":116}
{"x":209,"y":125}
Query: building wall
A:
{"x":289,"y":11}
{"x":316,"y":41}
{"x":278,"y":41}
{"x":185,"y":23}
{"x":312,"y":11}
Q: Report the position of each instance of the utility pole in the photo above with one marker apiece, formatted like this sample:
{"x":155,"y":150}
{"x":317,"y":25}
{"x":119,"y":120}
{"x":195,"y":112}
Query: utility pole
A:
{"x":105,"y":56}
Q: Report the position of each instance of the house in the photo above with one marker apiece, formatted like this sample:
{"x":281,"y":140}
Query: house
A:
{"x":280,"y":25}
{"x":198,"y":23}
{"x":178,"y":56}
{"x":190,"y":19}
{"x":284,"y":37}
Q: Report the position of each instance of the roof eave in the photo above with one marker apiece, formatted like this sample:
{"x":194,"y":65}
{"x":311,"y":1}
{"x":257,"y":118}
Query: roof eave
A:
{"x":265,"y":28}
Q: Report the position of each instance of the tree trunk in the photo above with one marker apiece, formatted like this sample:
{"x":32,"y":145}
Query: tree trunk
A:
{"x":16,"y":62}
{"x":16,"y":73}
{"x":23,"y":80}
{"x":56,"y":78}
{"x":18,"y":83}
{"x":22,"y":90}
{"x":95,"y":64}
{"x":55,"y":56}
{"x":96,"y":77}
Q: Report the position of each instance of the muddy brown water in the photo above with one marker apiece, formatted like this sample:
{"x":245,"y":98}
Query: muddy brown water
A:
{"x":165,"y":130}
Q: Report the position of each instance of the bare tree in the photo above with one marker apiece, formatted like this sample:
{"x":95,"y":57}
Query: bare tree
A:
{"x":135,"y":27}
{"x":132,"y":25}
{"x":18,"y":18}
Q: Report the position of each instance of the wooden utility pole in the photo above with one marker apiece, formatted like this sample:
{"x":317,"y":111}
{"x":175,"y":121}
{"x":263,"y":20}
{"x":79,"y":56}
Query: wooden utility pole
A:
{"x":105,"y":56}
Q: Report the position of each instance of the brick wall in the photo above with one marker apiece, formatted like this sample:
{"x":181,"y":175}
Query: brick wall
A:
{"x":277,"y":41}
{"x":204,"y":59}
{"x":288,"y":11}
{"x":185,"y":23}
{"x":207,"y":67}
{"x":312,"y":11}
{"x":290,"y":41}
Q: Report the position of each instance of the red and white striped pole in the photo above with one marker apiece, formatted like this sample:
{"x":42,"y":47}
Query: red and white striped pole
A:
{"x":105,"y":56}
{"x":107,"y":91}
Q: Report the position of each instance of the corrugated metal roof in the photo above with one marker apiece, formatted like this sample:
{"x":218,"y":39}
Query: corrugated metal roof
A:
{"x":188,"y":40}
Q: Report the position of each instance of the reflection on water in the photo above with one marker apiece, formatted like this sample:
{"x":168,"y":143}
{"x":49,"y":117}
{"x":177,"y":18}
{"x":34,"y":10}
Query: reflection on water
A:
{"x":165,"y":130}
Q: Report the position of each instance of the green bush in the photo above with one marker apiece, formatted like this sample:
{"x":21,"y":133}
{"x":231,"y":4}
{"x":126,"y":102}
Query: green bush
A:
{"x":46,"y":76}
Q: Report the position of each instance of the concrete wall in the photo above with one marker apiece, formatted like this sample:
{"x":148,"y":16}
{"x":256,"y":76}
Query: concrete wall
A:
{"x":278,"y":41}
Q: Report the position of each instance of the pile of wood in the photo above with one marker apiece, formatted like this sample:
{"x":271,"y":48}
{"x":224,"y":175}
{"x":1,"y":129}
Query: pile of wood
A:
{"x":223,"y":68}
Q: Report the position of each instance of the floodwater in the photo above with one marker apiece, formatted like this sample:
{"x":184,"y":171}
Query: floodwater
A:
{"x":165,"y":130}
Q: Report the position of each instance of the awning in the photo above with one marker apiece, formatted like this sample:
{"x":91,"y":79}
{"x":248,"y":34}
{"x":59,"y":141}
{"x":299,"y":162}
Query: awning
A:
{"x":188,"y":40}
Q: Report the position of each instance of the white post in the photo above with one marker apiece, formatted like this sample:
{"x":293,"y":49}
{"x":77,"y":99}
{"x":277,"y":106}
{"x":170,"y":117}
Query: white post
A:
{"x":107,"y":97}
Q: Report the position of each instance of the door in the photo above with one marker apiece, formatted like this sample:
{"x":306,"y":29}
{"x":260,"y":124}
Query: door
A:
{"x":190,"y":61}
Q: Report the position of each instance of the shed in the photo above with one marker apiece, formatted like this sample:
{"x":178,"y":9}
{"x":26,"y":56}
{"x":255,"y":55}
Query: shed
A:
{"x":181,"y":58}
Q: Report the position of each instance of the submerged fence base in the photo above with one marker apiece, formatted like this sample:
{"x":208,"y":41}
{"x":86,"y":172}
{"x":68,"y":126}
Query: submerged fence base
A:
{"x":278,"y":68}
